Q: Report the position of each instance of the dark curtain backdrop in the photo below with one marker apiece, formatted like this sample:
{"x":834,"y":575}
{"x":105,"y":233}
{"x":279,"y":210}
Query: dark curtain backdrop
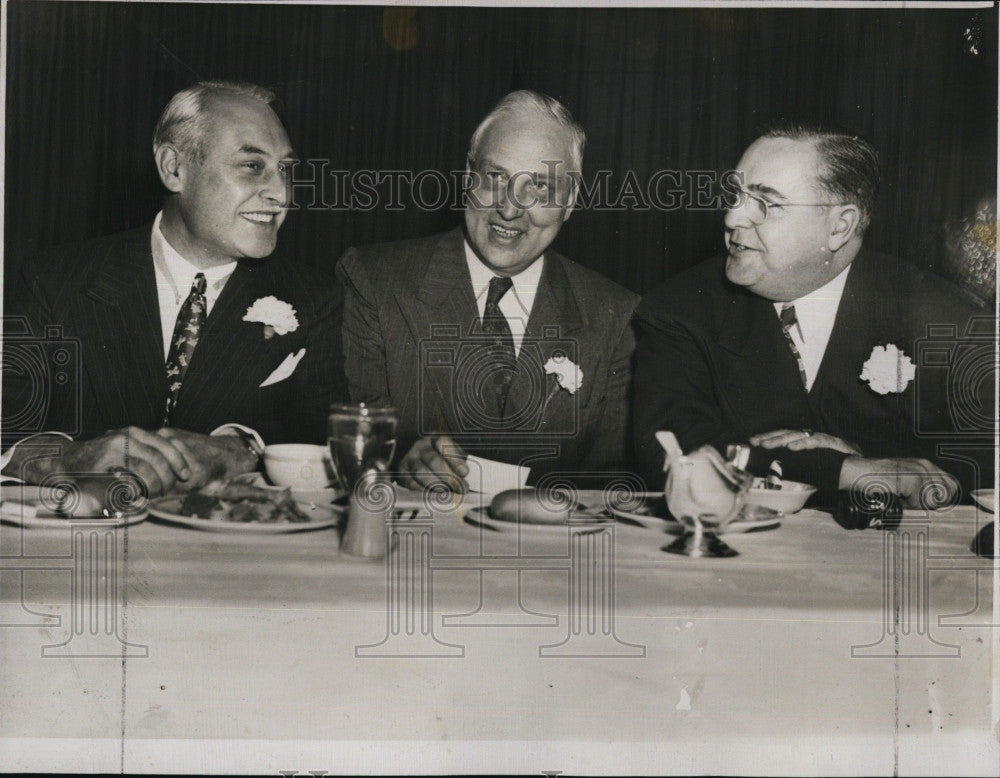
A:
{"x":395,"y":88}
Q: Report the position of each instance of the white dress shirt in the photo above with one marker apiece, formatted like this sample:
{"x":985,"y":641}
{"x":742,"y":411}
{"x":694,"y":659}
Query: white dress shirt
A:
{"x":816,"y":313}
{"x":174,"y":277}
{"x":516,"y":305}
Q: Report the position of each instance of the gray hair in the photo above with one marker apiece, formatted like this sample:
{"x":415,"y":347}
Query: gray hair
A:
{"x":850,"y":163}
{"x":182,"y":122}
{"x":528,"y":101}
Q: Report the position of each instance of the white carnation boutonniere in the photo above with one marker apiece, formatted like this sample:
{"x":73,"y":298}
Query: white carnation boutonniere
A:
{"x":568,"y":376}
{"x":888,"y":370}
{"x":276,"y":315}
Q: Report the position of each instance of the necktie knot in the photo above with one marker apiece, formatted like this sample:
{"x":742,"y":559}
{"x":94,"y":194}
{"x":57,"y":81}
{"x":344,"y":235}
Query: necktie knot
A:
{"x":199,"y":285}
{"x":788,"y":317}
{"x":499,"y":285}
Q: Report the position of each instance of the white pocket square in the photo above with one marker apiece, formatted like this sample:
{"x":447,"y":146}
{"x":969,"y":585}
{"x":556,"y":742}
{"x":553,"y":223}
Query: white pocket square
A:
{"x":285,"y":369}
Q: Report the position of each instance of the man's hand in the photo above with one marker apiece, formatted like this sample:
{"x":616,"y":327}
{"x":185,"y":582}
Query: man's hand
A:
{"x":802,"y":440}
{"x":918,"y":482}
{"x":211,"y":457}
{"x":155,"y":460}
{"x":433,"y":461}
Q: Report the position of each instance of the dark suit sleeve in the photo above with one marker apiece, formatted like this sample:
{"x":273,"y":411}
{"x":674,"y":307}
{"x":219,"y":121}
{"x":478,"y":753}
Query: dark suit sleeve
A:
{"x":319,"y":380}
{"x":611,"y":446}
{"x":364,"y":347}
{"x":675,"y":391}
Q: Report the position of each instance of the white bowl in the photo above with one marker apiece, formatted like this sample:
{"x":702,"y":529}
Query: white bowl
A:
{"x":788,"y":499}
{"x":298,"y":465}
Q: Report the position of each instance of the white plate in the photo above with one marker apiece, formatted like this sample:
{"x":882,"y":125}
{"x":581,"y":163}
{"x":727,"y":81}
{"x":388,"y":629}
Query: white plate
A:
{"x":984,"y":497}
{"x":645,"y":515}
{"x":647,"y":518}
{"x":320,"y":517}
{"x":19,"y":502}
{"x":318,"y":496}
{"x":474,"y":516}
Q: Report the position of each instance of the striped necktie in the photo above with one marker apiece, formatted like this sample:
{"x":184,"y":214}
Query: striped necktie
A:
{"x":789,"y":320}
{"x":187,"y":330}
{"x":502,"y":355}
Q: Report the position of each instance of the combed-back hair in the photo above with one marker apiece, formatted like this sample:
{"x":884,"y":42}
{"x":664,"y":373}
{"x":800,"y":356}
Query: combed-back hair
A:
{"x":850,"y":163}
{"x":182,"y":122}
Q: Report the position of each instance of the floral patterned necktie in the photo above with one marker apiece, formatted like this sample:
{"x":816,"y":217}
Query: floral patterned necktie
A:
{"x":187,"y":330}
{"x":788,"y":320}
{"x":503,"y":357}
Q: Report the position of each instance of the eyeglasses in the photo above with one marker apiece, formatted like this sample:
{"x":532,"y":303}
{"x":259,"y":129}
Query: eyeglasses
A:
{"x":757,"y":207}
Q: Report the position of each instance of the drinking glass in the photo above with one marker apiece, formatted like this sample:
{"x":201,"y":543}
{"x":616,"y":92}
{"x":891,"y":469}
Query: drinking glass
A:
{"x":362,"y":438}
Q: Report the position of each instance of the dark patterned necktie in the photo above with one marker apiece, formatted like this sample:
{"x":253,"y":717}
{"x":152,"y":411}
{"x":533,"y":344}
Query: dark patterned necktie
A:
{"x":503,"y":358}
{"x":187,"y":330}
{"x":789,"y":320}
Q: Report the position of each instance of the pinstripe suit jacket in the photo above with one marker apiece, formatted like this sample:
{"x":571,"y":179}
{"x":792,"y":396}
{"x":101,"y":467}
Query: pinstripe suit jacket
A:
{"x":410,"y":335}
{"x":102,"y":295}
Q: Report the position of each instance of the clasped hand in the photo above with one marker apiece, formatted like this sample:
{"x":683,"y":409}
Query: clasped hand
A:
{"x":164,"y":461}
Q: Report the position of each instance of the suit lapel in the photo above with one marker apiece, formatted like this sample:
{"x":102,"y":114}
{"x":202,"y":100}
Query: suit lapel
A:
{"x":749,"y":328}
{"x":864,"y":318}
{"x":126,"y":369}
{"x":555,"y":325}
{"x":228,"y":357}
{"x":443,"y":310}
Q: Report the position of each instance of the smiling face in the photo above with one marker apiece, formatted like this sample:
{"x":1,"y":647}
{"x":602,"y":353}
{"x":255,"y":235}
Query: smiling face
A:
{"x":230,"y":204}
{"x":520,"y":203}
{"x":793,"y":252}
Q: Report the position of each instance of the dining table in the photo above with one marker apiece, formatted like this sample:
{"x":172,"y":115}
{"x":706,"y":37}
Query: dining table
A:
{"x":580,"y":647}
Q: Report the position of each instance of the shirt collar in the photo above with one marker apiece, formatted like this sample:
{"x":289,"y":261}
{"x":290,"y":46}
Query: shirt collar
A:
{"x":179,"y":271}
{"x":824,"y":299}
{"x":525,"y":283}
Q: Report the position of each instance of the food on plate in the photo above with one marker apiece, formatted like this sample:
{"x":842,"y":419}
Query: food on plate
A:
{"x":790,"y":498}
{"x":239,"y":501}
{"x":531,"y":506}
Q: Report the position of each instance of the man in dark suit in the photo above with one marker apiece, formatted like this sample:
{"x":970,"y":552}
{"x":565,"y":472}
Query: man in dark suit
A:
{"x":180,"y":329}
{"x":818,"y":352}
{"x":480,"y":337}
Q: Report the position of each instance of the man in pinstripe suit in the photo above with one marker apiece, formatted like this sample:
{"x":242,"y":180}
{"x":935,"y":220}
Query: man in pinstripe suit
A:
{"x":264,"y":362}
{"x":480,"y":337}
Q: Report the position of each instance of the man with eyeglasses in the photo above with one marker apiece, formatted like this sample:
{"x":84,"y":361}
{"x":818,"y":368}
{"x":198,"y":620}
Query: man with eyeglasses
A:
{"x":804,"y":344}
{"x":486,"y":340}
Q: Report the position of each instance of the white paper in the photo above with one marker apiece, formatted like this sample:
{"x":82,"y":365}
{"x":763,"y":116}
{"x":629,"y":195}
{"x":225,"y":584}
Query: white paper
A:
{"x":490,"y":477}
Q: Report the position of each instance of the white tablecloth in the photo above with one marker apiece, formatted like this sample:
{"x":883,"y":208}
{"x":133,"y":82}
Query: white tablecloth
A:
{"x":816,"y":650}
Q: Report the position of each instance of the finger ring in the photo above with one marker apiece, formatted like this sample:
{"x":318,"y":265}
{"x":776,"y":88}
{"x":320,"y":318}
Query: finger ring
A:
{"x":807,"y":433}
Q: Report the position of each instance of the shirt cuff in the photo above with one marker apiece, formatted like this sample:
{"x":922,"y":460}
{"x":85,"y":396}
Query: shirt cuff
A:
{"x":254,"y":441}
{"x":8,"y":455}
